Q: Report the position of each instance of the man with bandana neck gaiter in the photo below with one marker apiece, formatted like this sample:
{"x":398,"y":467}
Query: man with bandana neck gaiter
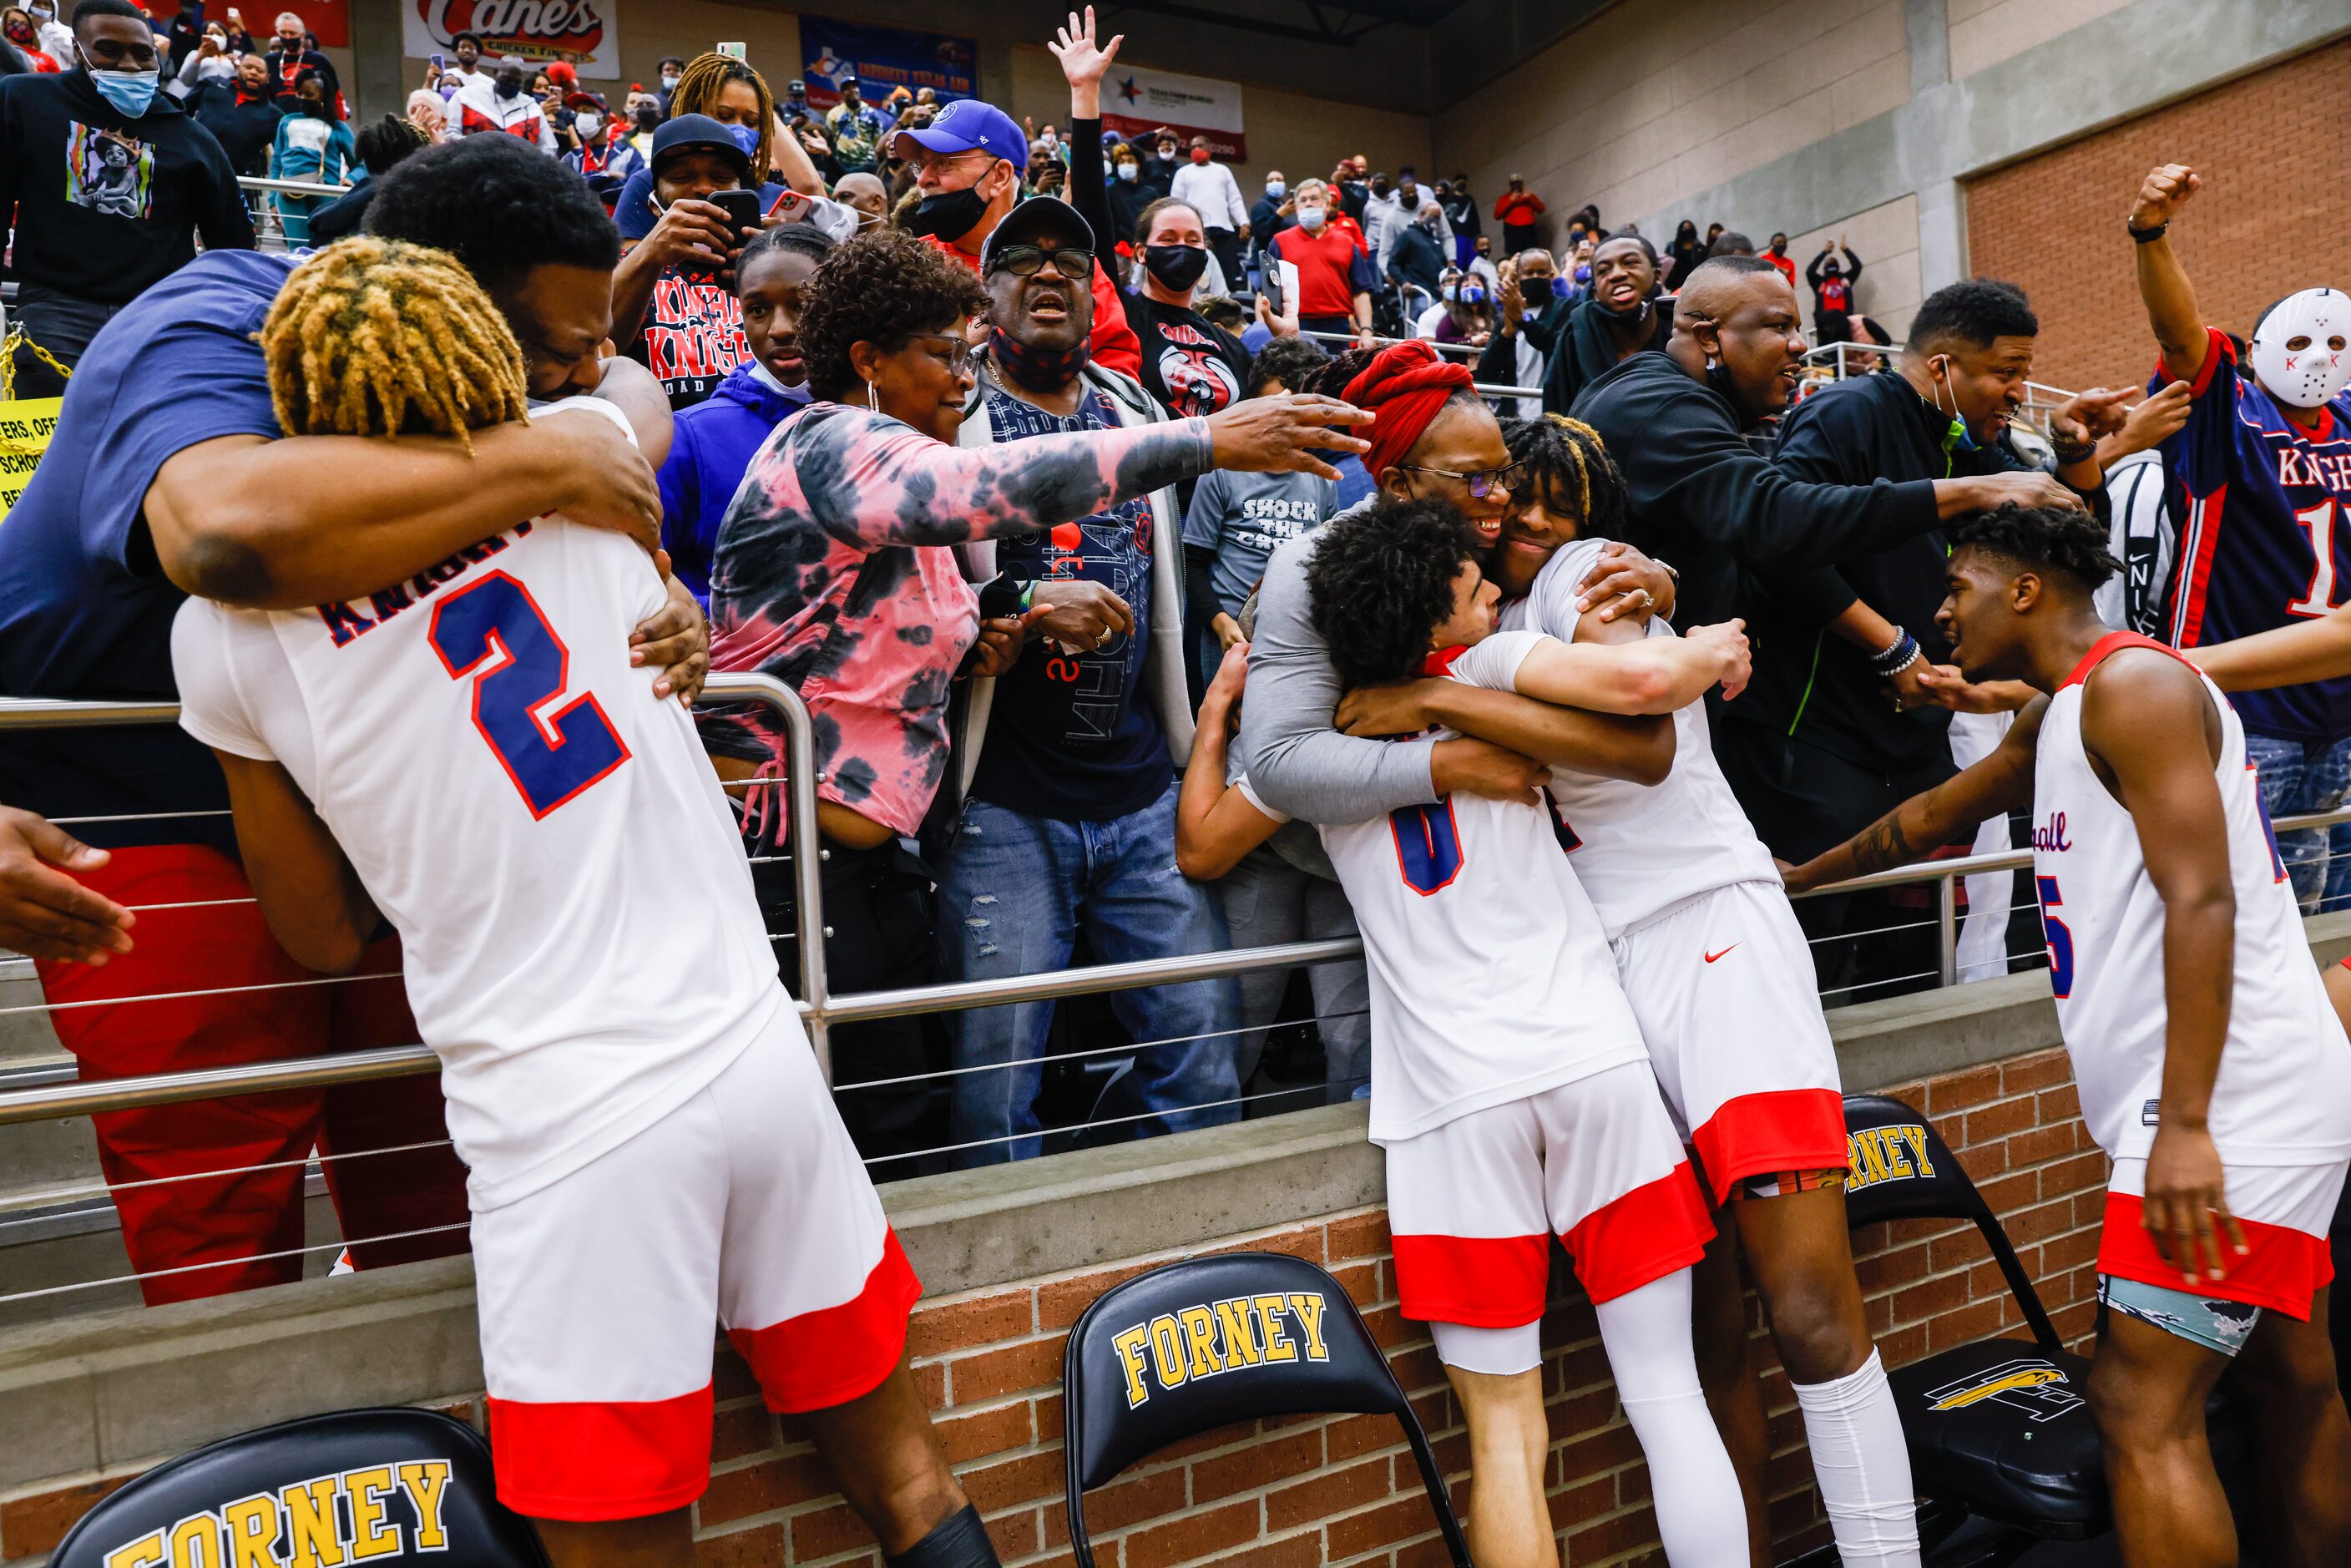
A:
{"x":1069,"y":757}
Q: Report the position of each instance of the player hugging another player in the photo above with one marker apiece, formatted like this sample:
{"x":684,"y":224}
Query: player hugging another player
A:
{"x":2211,"y":1066}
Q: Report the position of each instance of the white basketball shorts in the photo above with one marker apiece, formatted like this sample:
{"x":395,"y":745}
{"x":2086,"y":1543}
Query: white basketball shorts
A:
{"x":1730,"y":1006}
{"x":598,"y":1293}
{"x":1473,"y":1203}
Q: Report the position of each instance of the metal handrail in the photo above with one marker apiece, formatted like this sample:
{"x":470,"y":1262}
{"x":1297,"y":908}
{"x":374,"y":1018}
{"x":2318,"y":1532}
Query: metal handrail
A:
{"x":291,"y":187}
{"x":1481,"y":388}
{"x":818,"y":1009}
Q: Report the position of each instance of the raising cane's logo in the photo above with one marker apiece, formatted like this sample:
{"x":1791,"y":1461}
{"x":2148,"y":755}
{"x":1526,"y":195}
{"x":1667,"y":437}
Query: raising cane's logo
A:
{"x":561,"y":29}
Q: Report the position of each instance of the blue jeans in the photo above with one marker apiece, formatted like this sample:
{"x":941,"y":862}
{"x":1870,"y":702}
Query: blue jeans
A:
{"x":2297,"y":778}
{"x":1013,"y":891}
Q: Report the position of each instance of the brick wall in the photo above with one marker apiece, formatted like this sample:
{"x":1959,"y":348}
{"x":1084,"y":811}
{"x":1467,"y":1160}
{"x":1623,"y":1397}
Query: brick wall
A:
{"x":1295,"y":1493}
{"x":2269,"y":220}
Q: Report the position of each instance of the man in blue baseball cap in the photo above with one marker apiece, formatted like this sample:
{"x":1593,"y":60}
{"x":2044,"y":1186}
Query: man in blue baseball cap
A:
{"x":967,"y":163}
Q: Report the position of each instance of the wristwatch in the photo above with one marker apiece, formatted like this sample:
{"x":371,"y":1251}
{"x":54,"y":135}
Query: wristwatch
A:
{"x":2145,"y":237}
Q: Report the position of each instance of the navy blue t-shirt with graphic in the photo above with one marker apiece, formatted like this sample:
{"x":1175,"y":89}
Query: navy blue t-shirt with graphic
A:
{"x":1071,"y":734}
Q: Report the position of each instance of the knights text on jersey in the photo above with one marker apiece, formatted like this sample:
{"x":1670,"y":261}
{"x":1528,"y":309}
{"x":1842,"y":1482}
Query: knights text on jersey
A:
{"x":1492,"y":978}
{"x":2284,"y":1094}
{"x":582,"y":948}
{"x":2263,"y":509}
{"x":1642,"y":849}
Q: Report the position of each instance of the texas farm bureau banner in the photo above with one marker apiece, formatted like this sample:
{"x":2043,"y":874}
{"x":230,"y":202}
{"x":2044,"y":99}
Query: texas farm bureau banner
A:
{"x":881,"y":58}
{"x":584,"y":32}
{"x":1137,"y":102}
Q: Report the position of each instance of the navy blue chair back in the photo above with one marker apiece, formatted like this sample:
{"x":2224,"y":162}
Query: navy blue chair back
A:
{"x":1204,"y":1343}
{"x":395,"y":1487}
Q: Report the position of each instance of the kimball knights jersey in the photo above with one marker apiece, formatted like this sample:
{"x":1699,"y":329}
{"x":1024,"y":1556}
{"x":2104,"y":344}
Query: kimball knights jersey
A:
{"x":580,"y":942}
{"x":2263,"y":509}
{"x":1639,"y":849}
{"x":1492,"y":978}
{"x":2284,"y":1094}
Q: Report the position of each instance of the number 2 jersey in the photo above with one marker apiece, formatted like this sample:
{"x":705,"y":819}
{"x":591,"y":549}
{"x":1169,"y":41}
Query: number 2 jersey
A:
{"x":2264,"y":537}
{"x":581,"y":946}
{"x":2283,"y":1093}
{"x":1492,"y":978}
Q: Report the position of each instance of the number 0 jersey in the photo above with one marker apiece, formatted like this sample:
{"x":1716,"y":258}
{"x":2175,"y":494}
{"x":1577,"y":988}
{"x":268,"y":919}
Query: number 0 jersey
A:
{"x":583,"y":948}
{"x":2284,"y":1094}
{"x":1644,"y":848}
{"x":2265,"y":513}
{"x":1491,"y":979}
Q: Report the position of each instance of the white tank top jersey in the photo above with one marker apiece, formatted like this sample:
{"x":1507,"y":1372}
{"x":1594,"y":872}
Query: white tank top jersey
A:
{"x":2284,"y":1094}
{"x":1644,"y":848}
{"x":581,"y":946}
{"x":1492,"y":978}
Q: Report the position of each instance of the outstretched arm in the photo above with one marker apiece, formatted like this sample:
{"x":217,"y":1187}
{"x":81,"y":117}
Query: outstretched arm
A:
{"x":2150,"y":721}
{"x":2162,"y":282}
{"x":2315,"y":650}
{"x":1947,"y":814}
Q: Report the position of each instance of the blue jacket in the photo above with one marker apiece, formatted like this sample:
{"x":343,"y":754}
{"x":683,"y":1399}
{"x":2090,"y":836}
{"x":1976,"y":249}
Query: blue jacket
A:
{"x":713,"y":444}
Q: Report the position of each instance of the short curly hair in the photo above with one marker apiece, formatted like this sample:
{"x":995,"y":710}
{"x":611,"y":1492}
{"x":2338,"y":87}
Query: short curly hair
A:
{"x":1293,"y":361}
{"x":1382,"y":582}
{"x":2059,"y":540}
{"x":498,"y":204}
{"x":881,"y":288}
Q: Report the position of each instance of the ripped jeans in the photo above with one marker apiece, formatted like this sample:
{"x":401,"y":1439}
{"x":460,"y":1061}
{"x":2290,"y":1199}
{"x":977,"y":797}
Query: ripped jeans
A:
{"x":1013,"y":891}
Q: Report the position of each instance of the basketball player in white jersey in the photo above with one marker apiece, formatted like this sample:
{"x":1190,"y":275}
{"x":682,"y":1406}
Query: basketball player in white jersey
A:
{"x":2209,"y":1065}
{"x":1509,"y":1087}
{"x":469,"y":754}
{"x":1720,"y":978}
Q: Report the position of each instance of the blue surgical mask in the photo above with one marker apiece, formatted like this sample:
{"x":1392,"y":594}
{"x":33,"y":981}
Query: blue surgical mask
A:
{"x":745,"y":138}
{"x":1450,"y":292}
{"x":1276,"y":189}
{"x":1129,"y":172}
{"x":128,"y":91}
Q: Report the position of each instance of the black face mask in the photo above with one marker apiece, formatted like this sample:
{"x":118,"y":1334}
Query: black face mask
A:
{"x":951,"y":215}
{"x":1177,"y":267}
{"x":1039,"y":369}
{"x":648,"y":117}
{"x":509,"y":89}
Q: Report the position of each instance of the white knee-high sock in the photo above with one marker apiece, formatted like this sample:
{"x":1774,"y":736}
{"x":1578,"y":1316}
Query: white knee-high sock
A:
{"x":1863,"y":1466}
{"x":1700,"y":1517}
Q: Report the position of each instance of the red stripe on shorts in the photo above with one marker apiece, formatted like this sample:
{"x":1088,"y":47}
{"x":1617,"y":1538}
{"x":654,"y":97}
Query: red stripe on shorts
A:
{"x":1781,"y":1129}
{"x":2284,"y":1269}
{"x":1479,"y":1281}
{"x":603,"y":1461}
{"x":834,"y":1354}
{"x":1645,"y":1235}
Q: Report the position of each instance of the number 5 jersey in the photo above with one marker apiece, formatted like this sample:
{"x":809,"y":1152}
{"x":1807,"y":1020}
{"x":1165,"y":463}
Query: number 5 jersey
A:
{"x":1492,"y":978}
{"x":583,"y":951}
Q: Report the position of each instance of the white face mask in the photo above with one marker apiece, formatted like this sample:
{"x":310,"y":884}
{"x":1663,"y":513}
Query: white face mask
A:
{"x":1309,"y":218}
{"x":669,"y":79}
{"x":2311,"y":375}
{"x":587,"y":123}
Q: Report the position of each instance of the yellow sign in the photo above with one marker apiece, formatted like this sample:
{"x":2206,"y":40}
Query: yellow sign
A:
{"x":26,"y":426}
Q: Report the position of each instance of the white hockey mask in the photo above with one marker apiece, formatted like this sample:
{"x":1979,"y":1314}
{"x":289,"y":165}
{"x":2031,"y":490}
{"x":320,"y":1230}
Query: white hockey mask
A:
{"x":2319,"y":321}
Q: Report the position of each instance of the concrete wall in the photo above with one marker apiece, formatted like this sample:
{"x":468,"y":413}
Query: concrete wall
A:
{"x":1009,"y":1255}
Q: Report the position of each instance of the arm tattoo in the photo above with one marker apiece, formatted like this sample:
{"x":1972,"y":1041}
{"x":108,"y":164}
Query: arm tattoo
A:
{"x":1883,"y":844}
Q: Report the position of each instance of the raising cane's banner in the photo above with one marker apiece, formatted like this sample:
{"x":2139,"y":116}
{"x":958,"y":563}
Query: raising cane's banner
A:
{"x":581,"y":31}
{"x":1138,"y":102}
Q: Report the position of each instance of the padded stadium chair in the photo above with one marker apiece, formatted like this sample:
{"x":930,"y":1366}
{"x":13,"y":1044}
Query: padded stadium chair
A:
{"x":321,"y":1488}
{"x":1998,"y":1429}
{"x":1199,"y":1345}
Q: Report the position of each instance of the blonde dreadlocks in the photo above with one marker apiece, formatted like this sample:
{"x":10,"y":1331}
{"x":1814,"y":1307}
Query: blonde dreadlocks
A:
{"x":374,"y":337}
{"x":1569,"y":470}
{"x":702,"y":84}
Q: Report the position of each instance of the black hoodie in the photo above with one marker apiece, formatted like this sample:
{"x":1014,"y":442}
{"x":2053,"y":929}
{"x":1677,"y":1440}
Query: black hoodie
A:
{"x":104,"y":206}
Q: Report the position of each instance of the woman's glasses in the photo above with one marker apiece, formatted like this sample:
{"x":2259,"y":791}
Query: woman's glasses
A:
{"x":1483,"y":483}
{"x":960,"y":358}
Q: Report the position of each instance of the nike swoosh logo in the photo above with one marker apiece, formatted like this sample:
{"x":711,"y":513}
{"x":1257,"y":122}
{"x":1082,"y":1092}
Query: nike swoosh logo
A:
{"x":1710,"y":957}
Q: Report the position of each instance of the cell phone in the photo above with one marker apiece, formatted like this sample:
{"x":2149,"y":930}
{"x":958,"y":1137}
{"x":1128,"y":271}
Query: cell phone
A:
{"x":741,"y":209}
{"x":1280,"y":286}
{"x":438,"y":63}
{"x":792,"y":207}
{"x":734,"y":51}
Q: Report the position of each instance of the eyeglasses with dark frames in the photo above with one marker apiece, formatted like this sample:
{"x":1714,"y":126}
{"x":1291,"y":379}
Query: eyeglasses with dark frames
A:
{"x":1484,"y":482}
{"x":1074,"y":263}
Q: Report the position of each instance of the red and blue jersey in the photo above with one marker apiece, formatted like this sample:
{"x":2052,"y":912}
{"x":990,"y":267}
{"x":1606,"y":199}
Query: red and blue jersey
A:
{"x":2264,"y":507}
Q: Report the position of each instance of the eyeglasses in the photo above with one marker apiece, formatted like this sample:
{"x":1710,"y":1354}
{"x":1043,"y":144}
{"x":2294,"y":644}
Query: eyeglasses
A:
{"x":1484,"y":482}
{"x":961,"y":358}
{"x":1072,"y":263}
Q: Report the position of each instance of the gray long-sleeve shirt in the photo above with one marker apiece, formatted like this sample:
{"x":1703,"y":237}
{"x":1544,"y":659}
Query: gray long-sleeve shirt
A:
{"x":1295,"y":762}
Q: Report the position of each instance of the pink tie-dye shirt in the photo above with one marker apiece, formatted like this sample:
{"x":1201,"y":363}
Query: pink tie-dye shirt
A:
{"x":832,"y":572}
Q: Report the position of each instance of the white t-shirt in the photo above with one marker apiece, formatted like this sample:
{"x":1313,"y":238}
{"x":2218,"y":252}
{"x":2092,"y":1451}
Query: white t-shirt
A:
{"x":1645,"y":848}
{"x":582,"y":948}
{"x":2283,"y":1093}
{"x":1492,"y":978}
